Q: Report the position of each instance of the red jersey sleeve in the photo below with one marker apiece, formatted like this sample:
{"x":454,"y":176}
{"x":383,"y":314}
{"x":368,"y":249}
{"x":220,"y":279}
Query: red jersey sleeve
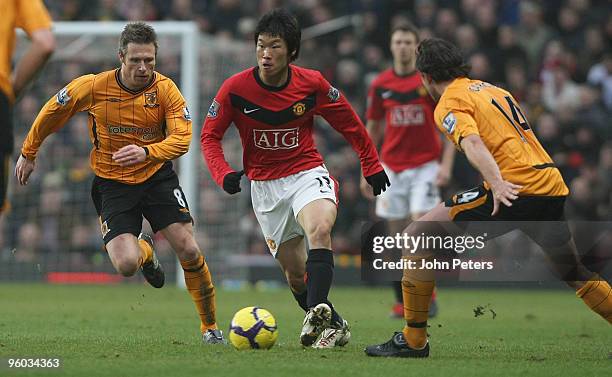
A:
{"x":332,"y":106}
{"x":375,"y":110}
{"x":217,"y":121}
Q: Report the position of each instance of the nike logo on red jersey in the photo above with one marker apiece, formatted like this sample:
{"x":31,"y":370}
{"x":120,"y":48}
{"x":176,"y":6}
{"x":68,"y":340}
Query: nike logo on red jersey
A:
{"x":289,"y":110}
{"x":387,"y":94}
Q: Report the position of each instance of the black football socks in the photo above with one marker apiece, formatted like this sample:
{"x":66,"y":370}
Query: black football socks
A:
{"x":336,"y":319}
{"x":301,"y":299}
{"x":319,"y":276}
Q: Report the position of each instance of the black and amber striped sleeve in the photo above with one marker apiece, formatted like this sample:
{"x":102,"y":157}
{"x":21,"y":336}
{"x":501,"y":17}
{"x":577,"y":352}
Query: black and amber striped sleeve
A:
{"x":178,"y":125}
{"x":73,"y":98}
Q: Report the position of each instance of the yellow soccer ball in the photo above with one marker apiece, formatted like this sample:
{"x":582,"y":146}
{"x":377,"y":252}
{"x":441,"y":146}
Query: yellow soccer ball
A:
{"x":253,"y":328}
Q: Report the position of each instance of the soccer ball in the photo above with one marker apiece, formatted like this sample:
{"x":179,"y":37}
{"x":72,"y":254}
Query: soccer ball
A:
{"x":253,"y":328}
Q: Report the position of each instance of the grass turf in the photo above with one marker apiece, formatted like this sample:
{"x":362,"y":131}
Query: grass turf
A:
{"x":135,"y":330}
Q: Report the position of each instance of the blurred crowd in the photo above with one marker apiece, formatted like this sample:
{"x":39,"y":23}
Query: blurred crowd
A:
{"x":554,"y":56}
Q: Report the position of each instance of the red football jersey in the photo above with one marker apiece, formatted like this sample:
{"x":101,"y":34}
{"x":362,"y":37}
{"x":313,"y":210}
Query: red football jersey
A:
{"x":275,"y":125}
{"x":410,"y":137}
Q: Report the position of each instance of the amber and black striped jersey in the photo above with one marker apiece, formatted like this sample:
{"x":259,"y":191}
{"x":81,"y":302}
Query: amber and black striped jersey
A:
{"x":475,"y":107}
{"x":156,"y":117}
{"x":29,"y":15}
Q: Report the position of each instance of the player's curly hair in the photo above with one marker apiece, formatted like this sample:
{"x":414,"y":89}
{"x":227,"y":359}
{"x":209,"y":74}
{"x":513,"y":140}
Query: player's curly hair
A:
{"x":441,"y":60}
{"x":137,"y":32}
{"x":279,"y":22}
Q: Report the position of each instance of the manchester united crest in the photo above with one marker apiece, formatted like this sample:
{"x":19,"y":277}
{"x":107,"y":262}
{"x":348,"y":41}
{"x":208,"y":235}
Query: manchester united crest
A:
{"x":299,"y":109}
{"x":151,"y":99}
{"x":271,"y":244}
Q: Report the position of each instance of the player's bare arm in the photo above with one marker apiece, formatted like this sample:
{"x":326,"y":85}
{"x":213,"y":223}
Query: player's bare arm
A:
{"x":446,"y":164}
{"x":480,"y":157}
{"x":130,"y":155}
{"x":43,"y":45}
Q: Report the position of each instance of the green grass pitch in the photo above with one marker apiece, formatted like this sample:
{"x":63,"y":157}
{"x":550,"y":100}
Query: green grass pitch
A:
{"x":135,"y":330}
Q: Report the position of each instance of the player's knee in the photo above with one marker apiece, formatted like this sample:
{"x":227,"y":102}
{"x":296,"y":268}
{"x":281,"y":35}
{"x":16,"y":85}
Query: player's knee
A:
{"x":413,"y":228}
{"x":187,"y":249}
{"x":430,"y":228}
{"x":320,"y":232}
{"x":190,"y":253}
{"x":126,"y":266}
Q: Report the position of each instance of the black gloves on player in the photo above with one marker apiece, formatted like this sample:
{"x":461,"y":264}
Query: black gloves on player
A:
{"x":378,"y":181}
{"x":231,"y":182}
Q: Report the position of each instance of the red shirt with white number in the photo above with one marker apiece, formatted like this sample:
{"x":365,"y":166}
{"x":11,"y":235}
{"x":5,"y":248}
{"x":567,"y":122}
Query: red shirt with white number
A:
{"x":276,"y":123}
{"x":410,"y":137}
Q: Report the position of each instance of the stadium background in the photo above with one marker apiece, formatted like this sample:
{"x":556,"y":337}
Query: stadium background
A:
{"x":554,"y":56}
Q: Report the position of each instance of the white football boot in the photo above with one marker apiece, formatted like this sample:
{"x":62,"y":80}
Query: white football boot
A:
{"x":334,"y":337}
{"x":316,"y":320}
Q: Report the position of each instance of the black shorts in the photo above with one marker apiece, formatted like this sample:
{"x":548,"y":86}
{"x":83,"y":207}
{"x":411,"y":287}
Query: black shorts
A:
{"x":6,"y":145}
{"x":6,"y":124}
{"x":121,"y":207}
{"x":540,"y":217}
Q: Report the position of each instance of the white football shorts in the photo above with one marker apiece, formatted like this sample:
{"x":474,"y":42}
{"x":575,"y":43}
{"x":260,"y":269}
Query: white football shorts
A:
{"x":277,"y":202}
{"x":411,"y":191}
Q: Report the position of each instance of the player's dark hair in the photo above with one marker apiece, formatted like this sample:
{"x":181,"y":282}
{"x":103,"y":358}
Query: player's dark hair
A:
{"x":137,"y":32}
{"x":441,"y":60}
{"x":280,"y":23}
{"x":405,"y":27}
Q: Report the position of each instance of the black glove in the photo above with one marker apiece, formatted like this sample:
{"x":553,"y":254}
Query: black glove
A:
{"x":231,"y":182}
{"x":378,"y":181}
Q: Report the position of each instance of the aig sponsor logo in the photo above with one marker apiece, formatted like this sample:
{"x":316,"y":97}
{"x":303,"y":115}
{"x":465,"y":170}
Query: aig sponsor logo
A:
{"x":276,"y":139}
{"x":407,"y":115}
